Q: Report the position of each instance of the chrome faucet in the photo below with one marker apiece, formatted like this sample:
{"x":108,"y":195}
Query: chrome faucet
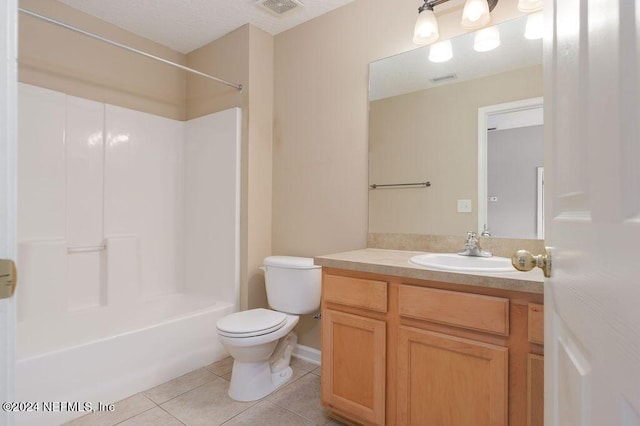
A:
{"x":472,"y":247}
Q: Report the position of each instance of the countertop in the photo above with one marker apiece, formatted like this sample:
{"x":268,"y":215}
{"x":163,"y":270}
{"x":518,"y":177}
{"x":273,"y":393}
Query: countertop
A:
{"x":396,"y":263}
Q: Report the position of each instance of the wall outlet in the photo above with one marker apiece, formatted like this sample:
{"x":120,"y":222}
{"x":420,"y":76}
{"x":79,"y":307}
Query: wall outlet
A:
{"x":464,"y":206}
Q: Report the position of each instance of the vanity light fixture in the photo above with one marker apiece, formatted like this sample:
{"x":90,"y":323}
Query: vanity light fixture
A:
{"x":426,"y":29}
{"x":440,"y":51}
{"x":528,"y":6}
{"x":486,"y":39}
{"x":475,"y":14}
{"x":534,"y":28}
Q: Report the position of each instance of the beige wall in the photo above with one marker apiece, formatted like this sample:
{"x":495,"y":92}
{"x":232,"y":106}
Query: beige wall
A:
{"x":260,"y":172}
{"x":433,"y":135}
{"x":320,"y":123}
{"x":58,"y":59}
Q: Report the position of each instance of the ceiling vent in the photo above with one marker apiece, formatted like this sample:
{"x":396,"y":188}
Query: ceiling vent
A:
{"x":279,"y":7}
{"x":442,"y":78}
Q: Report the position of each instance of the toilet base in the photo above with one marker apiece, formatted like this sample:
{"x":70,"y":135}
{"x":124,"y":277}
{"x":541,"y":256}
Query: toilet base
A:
{"x":254,"y":380}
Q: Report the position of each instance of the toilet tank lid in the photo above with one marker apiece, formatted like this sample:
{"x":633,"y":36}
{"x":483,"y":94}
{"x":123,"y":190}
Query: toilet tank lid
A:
{"x":290,"y":262}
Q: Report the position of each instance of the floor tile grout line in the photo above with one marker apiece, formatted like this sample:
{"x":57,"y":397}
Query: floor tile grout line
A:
{"x":236,"y":415}
{"x":264,"y":399}
{"x":293,"y":412}
{"x":176,"y":396}
{"x":285,"y":385}
{"x":300,"y":415}
{"x":256,"y":402}
{"x":177,"y":419}
{"x":304,"y":417}
{"x":190,"y":390}
{"x":297,"y":414}
{"x":135,"y":415}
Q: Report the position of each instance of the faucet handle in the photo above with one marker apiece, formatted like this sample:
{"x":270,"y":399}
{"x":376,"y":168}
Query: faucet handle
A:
{"x":471,"y":236}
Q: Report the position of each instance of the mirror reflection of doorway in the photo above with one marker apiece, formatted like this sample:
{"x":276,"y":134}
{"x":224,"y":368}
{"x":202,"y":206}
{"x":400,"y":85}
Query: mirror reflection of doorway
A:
{"x":515,"y":173}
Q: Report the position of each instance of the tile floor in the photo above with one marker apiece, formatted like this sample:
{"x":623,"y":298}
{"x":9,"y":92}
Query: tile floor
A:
{"x":200,"y":398}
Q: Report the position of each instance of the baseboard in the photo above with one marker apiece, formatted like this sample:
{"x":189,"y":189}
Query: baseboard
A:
{"x":307,"y":353}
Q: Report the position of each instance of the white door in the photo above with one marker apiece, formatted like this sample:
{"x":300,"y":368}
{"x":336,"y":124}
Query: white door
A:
{"x":8,"y":120}
{"x":592,"y":300}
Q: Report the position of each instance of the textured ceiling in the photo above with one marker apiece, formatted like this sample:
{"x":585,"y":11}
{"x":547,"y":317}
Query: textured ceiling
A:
{"x":185,"y":25}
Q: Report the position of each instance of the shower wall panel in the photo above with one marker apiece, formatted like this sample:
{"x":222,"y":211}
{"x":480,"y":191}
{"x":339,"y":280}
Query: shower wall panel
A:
{"x":41,"y":203}
{"x":143,"y":193}
{"x":85,"y":160}
{"x":100,"y":204}
{"x":86,"y":270}
{"x":212,"y":194}
{"x":41,"y":164}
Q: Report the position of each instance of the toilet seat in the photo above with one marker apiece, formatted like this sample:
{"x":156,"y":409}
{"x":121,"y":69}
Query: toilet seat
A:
{"x":251,"y":323}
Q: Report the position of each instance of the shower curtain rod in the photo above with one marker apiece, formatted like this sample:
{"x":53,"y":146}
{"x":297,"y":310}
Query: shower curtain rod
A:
{"x":130,"y":49}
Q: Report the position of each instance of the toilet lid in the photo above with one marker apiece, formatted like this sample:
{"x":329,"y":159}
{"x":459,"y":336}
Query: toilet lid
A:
{"x":254,"y":322}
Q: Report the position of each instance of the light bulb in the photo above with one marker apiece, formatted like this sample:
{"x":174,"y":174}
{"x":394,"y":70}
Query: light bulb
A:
{"x":527,"y":6}
{"x":535,"y":26}
{"x":475,"y":14}
{"x":486,"y":39}
{"x":426,"y":29}
{"x":441,"y":51}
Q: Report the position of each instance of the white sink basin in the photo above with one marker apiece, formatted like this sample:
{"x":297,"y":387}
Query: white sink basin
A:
{"x":455,"y":262}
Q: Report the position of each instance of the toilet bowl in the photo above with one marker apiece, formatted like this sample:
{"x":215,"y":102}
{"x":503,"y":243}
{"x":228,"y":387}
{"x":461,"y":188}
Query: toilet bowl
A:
{"x":261,"y":340}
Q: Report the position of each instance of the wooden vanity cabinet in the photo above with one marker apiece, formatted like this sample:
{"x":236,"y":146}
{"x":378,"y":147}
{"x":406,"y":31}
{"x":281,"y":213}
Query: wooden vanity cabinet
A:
{"x":444,"y":379}
{"x":399,"y":351}
{"x":447,"y":380}
{"x":354,"y":333}
{"x":535,"y":366}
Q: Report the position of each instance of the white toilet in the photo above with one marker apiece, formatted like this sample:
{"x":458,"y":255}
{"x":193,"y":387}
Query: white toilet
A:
{"x":261,"y":340}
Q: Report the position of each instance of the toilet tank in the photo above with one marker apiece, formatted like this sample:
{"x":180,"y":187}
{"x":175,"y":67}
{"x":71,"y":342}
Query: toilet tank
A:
{"x":293,"y":284}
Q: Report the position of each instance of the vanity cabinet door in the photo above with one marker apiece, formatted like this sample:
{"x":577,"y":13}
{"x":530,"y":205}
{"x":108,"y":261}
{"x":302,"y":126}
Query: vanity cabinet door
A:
{"x":353,"y":365}
{"x":535,"y":366}
{"x":448,"y":380}
{"x":535,"y":390}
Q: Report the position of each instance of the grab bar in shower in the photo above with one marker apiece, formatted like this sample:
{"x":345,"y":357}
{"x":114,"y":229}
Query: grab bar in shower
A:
{"x":400,"y":185}
{"x":87,"y":249}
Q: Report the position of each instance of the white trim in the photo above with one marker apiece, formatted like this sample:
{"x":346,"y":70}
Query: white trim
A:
{"x":8,"y":178}
{"x":540,"y":203}
{"x":483,"y":115}
{"x":307,"y":353}
{"x":238,"y":205}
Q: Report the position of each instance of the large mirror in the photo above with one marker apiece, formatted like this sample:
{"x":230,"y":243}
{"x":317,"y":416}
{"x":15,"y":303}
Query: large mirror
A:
{"x":462,"y":126}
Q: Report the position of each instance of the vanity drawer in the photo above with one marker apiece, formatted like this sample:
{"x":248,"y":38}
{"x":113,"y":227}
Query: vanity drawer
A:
{"x":536,"y":323}
{"x":357,"y":292}
{"x":472,"y":311}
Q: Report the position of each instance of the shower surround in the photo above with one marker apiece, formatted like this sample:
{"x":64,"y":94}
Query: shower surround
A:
{"x":128,"y":247}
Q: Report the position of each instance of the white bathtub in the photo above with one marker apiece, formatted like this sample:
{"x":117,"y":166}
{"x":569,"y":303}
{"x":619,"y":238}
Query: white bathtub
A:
{"x":130,"y":353}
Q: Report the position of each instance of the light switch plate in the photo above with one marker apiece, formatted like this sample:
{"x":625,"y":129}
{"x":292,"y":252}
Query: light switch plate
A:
{"x":464,"y":206}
